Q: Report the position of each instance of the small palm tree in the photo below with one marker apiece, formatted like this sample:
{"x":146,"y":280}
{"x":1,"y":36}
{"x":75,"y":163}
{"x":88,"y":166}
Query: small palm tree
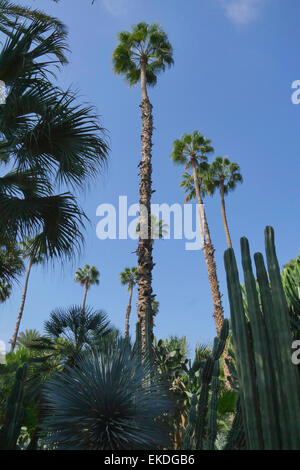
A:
{"x":87,"y":277}
{"x":28,"y":247}
{"x":105,"y":403}
{"x":192,"y":150}
{"x":129,"y":277}
{"x":141,"y":55}
{"x":68,"y":334}
{"x":226,"y":175}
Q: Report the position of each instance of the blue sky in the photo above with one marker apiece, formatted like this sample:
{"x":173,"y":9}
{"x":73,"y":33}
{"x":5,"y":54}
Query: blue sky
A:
{"x":235,"y":61}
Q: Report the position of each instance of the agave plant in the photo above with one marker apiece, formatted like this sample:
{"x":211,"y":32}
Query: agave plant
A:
{"x":105,"y":404}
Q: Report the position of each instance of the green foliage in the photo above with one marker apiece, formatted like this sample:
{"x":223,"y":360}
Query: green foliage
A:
{"x":105,"y":404}
{"x":47,"y":139}
{"x":87,"y":276}
{"x":14,"y":412}
{"x":191,"y":145}
{"x":5,"y":290}
{"x":129,"y":277}
{"x":202,"y":425}
{"x":268,"y":380}
{"x":68,"y":333}
{"x":147,"y":43}
{"x":224,"y":172}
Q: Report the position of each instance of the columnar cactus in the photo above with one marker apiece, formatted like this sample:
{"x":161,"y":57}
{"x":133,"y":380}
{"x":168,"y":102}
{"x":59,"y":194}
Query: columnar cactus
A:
{"x":268,"y":381}
{"x":198,"y":434}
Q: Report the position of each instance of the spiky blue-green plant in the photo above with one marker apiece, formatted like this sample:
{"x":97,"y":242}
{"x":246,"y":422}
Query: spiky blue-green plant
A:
{"x":105,"y":404}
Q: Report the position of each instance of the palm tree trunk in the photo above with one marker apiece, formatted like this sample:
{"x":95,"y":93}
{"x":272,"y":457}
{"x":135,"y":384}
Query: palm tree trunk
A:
{"x":209,"y":259}
{"x":212,"y":271}
{"x":128,"y":311}
{"x":145,"y":260}
{"x":15,"y":335}
{"x":224,"y":214}
{"x":84,"y":301}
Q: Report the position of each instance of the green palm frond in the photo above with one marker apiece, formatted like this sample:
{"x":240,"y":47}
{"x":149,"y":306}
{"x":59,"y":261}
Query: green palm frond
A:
{"x":5,"y":290}
{"x":56,"y":219}
{"x":67,"y":141}
{"x":88,"y":275}
{"x":148,"y":43}
{"x":11,"y":263}
{"x":129,"y":277}
{"x":24,"y":52}
{"x":191,"y":146}
{"x":222,"y":169}
{"x":10,"y":12}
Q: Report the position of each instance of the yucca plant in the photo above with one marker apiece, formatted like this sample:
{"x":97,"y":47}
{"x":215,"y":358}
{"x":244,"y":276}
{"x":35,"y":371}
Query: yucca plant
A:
{"x":105,"y":404}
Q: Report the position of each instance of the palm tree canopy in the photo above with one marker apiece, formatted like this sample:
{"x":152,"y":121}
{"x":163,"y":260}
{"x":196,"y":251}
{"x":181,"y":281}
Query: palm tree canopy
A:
{"x":28,"y":248}
{"x":191,"y":146}
{"x":5,"y":290}
{"x":47,"y":139}
{"x":11,"y":263}
{"x":70,"y":325}
{"x":222,"y":169}
{"x":148,"y":44}
{"x":10,"y":12}
{"x":87,"y":276}
{"x":129,"y":277}
{"x":206,"y":184}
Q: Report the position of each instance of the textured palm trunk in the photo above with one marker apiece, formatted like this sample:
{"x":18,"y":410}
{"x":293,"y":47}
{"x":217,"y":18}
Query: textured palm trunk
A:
{"x":84,"y":300}
{"x":128,"y":311}
{"x":16,"y":332}
{"x":224,"y":214}
{"x":145,"y":260}
{"x":208,"y":250}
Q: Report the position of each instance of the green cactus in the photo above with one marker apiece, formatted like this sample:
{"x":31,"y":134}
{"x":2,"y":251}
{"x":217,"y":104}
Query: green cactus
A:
{"x":14,"y":412}
{"x":268,"y":380}
{"x":201,"y":430}
{"x":212,"y":421}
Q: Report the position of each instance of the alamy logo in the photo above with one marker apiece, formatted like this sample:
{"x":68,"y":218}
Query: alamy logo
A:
{"x":296,"y":354}
{"x":3,"y":94}
{"x":184,"y":222}
{"x":2,"y":353}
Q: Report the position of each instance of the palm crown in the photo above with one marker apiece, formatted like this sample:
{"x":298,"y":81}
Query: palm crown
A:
{"x":146,"y":44}
{"x":206,"y":184}
{"x":191,"y":147}
{"x":222,"y":170}
{"x":87,"y":276}
{"x":129,"y":277}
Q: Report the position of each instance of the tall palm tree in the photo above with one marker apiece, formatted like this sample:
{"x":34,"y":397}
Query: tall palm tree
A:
{"x":226,"y":175}
{"x":192,"y":150}
{"x":87,"y":277}
{"x":140,"y":56}
{"x":34,"y":257}
{"x":129,"y":277}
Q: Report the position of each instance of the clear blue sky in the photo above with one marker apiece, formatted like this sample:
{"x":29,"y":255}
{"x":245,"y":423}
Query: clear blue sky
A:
{"x":235,"y":61}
